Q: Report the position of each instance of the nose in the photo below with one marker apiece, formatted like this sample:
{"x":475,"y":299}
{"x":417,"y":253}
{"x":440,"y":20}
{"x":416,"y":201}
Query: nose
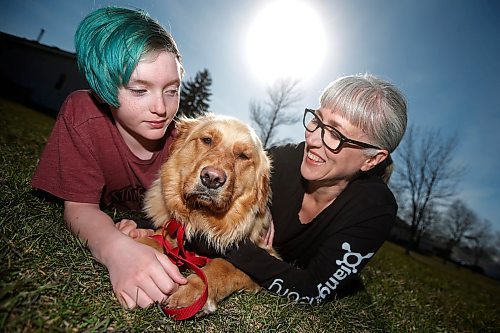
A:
{"x":159,"y":105}
{"x":212,"y":177}
{"x":314,"y":138}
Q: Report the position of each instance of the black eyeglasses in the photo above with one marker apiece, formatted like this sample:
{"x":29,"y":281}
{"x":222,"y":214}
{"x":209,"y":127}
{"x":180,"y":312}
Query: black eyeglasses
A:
{"x":334,"y":139}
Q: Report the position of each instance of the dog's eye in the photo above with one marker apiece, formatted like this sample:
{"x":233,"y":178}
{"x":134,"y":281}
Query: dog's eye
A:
{"x":243,"y":156}
{"x":207,"y":140}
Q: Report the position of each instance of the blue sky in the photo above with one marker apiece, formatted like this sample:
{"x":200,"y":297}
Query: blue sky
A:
{"x":443,"y":54}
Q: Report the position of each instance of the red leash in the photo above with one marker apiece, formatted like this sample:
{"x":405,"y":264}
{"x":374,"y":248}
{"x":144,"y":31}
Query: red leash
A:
{"x":183,"y":258}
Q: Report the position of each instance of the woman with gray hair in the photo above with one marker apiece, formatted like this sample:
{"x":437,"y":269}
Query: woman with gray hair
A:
{"x":331,"y":207}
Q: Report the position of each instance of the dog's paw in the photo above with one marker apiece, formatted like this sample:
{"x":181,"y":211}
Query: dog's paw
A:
{"x":188,"y":293}
{"x":209,"y":307}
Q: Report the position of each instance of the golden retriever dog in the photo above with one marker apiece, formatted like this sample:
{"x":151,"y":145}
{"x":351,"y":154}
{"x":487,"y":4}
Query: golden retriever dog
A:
{"x":216,"y":183}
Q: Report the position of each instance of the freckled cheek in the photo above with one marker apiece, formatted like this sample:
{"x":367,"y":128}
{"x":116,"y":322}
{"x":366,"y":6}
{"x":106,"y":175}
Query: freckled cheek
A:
{"x":128,"y":113}
{"x":143,"y":108}
{"x":133,"y":107}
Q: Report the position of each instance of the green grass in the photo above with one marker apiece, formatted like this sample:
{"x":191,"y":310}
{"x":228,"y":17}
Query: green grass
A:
{"x":50,"y":282}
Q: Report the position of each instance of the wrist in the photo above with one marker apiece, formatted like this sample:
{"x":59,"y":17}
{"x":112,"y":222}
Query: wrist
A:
{"x":106,"y":249}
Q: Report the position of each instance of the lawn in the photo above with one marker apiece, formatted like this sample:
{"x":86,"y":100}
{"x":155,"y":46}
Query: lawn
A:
{"x":50,"y":282}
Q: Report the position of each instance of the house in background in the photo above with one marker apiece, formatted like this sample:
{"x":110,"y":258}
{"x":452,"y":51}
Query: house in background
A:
{"x":37,"y":74}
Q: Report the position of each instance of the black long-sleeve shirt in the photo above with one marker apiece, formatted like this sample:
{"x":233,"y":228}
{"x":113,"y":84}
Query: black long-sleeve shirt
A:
{"x":324,"y":256}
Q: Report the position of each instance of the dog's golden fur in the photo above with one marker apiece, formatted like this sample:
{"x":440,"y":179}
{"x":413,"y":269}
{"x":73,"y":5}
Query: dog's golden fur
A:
{"x":216,"y":183}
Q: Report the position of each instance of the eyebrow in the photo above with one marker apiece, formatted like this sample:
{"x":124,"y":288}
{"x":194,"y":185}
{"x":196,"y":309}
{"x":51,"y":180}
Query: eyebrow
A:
{"x":331,"y":123}
{"x":147,"y":83}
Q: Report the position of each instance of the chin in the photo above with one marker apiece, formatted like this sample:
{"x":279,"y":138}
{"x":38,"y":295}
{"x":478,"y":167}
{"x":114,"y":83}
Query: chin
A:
{"x":155,"y":135}
{"x":313,"y":172}
{"x":305,"y":171}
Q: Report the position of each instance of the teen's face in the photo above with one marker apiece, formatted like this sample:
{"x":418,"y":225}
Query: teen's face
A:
{"x":150,"y":100}
{"x":322,"y":165}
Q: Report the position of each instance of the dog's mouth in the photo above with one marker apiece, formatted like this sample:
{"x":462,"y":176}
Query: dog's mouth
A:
{"x":212,"y":191}
{"x":206,"y":199}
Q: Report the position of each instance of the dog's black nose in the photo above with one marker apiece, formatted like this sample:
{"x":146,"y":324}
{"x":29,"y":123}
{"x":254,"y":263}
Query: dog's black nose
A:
{"x":212,"y":177}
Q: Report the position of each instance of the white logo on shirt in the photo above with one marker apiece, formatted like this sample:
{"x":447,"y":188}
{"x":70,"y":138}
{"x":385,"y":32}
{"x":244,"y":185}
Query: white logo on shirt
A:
{"x":347,"y":266}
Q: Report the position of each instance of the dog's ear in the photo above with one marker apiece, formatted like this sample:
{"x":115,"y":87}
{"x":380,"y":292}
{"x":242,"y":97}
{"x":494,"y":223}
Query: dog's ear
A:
{"x":183,"y":125}
{"x":264,"y":182}
{"x":183,"y":128}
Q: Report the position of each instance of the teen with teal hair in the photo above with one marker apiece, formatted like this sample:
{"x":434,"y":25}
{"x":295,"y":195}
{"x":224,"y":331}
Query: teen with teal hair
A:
{"x":108,"y":143}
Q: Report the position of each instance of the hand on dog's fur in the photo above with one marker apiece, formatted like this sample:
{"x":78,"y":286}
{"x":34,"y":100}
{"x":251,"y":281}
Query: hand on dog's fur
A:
{"x":141,"y":275}
{"x":188,"y":294}
{"x":268,"y":239}
{"x":219,"y":286}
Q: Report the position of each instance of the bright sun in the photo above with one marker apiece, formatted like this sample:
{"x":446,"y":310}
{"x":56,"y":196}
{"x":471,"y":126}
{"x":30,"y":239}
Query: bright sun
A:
{"x":286,"y":40}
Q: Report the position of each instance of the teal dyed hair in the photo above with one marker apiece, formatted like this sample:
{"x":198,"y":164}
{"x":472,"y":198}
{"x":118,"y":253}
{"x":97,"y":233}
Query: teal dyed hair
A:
{"x":109,"y":43}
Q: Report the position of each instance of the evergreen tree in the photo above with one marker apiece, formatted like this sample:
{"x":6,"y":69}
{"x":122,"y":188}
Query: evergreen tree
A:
{"x":195,"y":95}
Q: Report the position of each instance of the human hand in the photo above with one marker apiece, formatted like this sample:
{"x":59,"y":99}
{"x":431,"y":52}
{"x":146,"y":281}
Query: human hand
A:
{"x":269,"y":236}
{"x":140,"y":275}
{"x":129,"y":228}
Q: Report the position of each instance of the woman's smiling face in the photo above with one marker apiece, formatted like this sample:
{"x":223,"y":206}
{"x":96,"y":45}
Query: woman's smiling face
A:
{"x":320,"y":164}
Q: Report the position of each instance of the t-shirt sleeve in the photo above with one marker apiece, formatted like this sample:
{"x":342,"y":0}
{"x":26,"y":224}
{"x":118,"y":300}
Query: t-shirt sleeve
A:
{"x":331,"y":270}
{"x":67,"y":166}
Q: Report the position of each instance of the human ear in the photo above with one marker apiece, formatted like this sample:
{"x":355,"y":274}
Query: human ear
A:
{"x":375,"y":160}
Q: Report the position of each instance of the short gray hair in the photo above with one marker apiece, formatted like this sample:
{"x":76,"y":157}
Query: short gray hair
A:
{"x":375,"y":106}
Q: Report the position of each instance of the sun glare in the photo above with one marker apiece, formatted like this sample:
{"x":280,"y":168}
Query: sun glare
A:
{"x":286,"y":40}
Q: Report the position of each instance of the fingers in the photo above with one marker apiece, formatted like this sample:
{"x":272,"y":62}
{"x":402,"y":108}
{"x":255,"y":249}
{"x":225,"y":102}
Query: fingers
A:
{"x":160,"y":282}
{"x":171,"y":269}
{"x":141,"y":298}
{"x":126,"y":226}
{"x":125,"y":300}
{"x":129,"y":228}
{"x":129,"y":302}
{"x":139,"y":233}
{"x":269,"y":235}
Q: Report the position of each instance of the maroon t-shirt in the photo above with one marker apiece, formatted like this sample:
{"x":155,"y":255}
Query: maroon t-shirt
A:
{"x":86,"y":159}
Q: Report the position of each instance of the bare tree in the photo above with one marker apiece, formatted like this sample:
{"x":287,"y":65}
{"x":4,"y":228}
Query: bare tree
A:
{"x":481,"y":241}
{"x":425,"y":176}
{"x":495,"y":247}
{"x":266,"y":118}
{"x":458,"y":223}
{"x":429,"y":220}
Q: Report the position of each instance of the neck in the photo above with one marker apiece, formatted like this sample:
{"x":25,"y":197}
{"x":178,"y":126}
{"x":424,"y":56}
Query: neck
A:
{"x":139,"y":146}
{"x":325,"y":192}
{"x":317,"y":197}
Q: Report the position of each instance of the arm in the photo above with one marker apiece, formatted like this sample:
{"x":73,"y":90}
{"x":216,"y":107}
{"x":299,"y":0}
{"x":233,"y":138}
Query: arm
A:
{"x":321,"y":273}
{"x":139,"y":274}
{"x":329,"y":272}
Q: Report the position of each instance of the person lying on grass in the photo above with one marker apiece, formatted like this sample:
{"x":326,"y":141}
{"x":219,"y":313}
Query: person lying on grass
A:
{"x":107,"y":145}
{"x":331,"y":207}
